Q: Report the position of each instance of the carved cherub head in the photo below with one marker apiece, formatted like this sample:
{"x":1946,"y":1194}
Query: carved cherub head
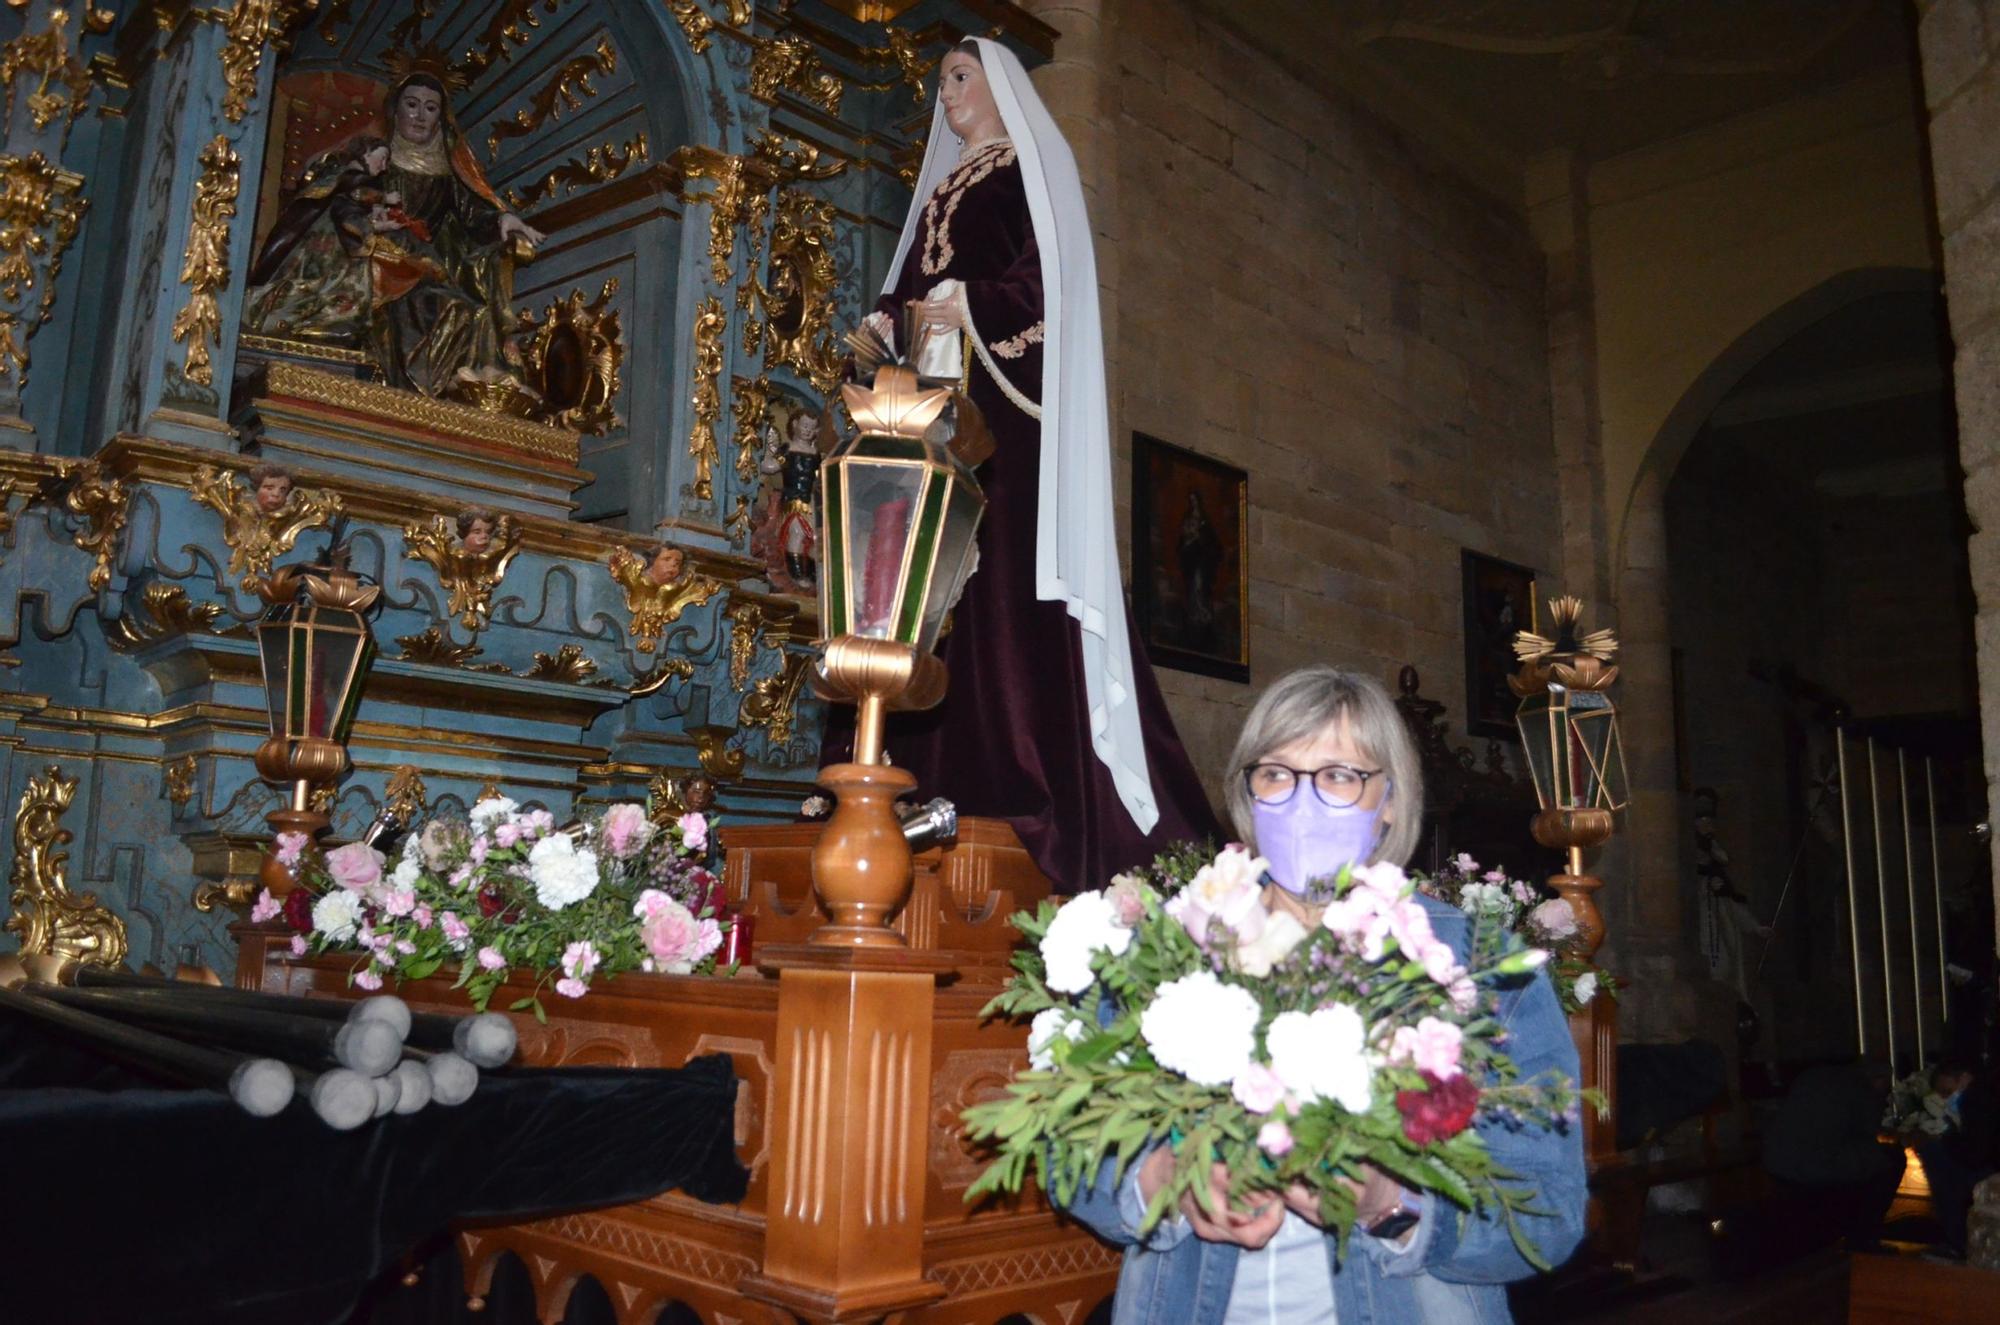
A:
{"x":667,"y":564}
{"x":476,"y":525}
{"x":271,"y":487}
{"x":803,"y":429}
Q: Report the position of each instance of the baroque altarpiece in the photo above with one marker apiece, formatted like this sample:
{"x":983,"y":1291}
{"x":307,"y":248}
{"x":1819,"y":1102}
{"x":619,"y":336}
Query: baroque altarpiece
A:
{"x":544,"y":347}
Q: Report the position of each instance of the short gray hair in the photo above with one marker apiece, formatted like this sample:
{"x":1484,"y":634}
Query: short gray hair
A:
{"x":1307,"y":702}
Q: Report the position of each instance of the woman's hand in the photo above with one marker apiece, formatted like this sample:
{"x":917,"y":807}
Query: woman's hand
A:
{"x":1374,"y":1200}
{"x":511,"y":225}
{"x":1249,"y":1230}
{"x":945,"y":308}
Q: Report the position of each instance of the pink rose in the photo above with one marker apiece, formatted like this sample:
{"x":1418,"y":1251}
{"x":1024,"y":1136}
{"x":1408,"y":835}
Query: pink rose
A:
{"x":1127,"y":895}
{"x":571,"y":988}
{"x":627,"y":830}
{"x":1274,"y":1138}
{"x":694,"y":831}
{"x":1257,"y":1088}
{"x":267,"y":908}
{"x":491,"y":959}
{"x":399,"y":901}
{"x":1554,"y":918}
{"x":368,"y":980}
{"x":1431,"y":1046}
{"x":674,"y":937}
{"x":290,"y":847}
{"x":355,"y":867}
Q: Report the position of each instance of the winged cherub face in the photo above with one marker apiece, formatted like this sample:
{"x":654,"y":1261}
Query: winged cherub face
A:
{"x":666,"y":565}
{"x":478,"y":537}
{"x":272,"y":491}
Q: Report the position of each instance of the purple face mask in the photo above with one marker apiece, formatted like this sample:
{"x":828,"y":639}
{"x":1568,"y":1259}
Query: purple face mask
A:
{"x":1306,"y":839}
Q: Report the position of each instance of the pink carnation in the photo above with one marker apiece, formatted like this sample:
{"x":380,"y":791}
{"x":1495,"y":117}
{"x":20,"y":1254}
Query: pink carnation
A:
{"x":267,"y":907}
{"x":456,"y":932}
{"x":422,"y":915}
{"x":355,"y":867}
{"x":491,"y":959}
{"x":1464,"y":994}
{"x":399,"y":901}
{"x":627,"y":830}
{"x":507,"y":834}
{"x":1362,"y":920}
{"x":1430,"y":1046}
{"x":1257,"y":1088}
{"x":290,"y":847}
{"x":579,"y":959}
{"x":368,"y":980}
{"x":1274,"y":1138}
{"x":298,"y":945}
{"x":1439,"y":962}
{"x":569,"y":987}
{"x":694,"y":831}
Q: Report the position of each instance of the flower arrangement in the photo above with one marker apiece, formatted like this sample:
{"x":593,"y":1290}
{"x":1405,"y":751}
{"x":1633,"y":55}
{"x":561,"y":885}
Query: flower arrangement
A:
{"x":1916,"y":1109}
{"x":1290,"y":1046}
{"x":507,"y":890}
{"x":1542,"y":921}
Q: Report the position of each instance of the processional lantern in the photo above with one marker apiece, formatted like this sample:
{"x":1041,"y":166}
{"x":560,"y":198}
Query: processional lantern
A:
{"x":1569,"y":733}
{"x":900,"y":510}
{"x":315,"y":645}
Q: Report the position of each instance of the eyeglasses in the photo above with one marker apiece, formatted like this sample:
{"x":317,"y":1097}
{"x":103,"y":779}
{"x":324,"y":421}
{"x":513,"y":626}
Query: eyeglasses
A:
{"x":1336,"y":785}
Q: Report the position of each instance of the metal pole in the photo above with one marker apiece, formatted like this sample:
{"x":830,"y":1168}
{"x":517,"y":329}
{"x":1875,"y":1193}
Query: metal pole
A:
{"x":1937,"y":892}
{"x":1853,"y":921}
{"x":1882,"y":904}
{"x":1910,"y":893}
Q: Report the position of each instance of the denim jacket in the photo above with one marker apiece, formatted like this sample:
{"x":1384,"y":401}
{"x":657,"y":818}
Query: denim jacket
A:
{"x":1453,"y":1269}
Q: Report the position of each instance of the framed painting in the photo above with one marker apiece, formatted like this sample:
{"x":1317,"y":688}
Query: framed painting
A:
{"x":1190,"y":559}
{"x":1499,"y":600}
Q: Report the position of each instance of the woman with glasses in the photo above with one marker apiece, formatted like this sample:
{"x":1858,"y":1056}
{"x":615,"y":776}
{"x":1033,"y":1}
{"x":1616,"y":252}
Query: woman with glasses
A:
{"x":1324,"y":776}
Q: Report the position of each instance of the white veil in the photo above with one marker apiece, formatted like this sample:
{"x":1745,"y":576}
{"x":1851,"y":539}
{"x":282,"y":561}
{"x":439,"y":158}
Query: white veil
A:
{"x":1076,"y":555}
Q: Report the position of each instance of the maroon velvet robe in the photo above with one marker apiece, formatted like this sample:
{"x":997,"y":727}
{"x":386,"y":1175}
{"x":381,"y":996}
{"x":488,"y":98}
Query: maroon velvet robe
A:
{"x":1012,"y":738}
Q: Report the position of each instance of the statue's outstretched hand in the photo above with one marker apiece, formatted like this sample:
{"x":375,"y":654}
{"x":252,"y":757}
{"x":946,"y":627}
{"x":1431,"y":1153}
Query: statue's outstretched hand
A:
{"x":511,"y":225}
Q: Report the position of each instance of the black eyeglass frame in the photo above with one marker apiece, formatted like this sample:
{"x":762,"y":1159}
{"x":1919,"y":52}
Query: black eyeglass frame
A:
{"x":1312,"y":776}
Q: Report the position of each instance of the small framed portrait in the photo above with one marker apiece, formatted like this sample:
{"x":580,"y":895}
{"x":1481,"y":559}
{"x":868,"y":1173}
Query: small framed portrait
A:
{"x":1499,"y":600}
{"x":1190,"y":559}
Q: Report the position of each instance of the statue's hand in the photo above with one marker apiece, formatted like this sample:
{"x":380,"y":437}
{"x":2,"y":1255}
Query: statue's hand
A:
{"x":511,"y":225}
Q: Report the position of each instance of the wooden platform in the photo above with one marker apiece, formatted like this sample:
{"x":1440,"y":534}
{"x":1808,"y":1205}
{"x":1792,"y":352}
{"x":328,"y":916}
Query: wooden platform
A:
{"x":1909,"y":1290}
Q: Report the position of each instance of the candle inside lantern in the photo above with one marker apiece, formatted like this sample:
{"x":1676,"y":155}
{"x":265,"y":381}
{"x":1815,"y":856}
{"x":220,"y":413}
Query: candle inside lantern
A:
{"x":884,"y":566}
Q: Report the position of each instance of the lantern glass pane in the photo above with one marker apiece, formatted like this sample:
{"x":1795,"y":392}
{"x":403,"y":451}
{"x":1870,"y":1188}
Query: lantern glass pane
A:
{"x":1543,"y":742}
{"x":334,"y":650}
{"x":956,"y":539}
{"x":1593,"y":729}
{"x":882,"y":504}
{"x":274,"y":649}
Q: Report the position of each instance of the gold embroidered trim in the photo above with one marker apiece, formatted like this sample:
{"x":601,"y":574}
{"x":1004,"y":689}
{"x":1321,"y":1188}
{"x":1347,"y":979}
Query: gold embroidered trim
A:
{"x":1007,"y":388}
{"x":1016,"y":346}
{"x":945,"y":198}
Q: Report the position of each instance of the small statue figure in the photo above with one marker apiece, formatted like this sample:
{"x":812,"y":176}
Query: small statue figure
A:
{"x":471,"y":565}
{"x":658,"y":590}
{"x":786,"y":536}
{"x":260,"y":522}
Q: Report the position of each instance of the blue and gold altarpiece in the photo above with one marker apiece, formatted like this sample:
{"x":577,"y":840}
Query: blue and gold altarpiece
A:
{"x":719,"y":184}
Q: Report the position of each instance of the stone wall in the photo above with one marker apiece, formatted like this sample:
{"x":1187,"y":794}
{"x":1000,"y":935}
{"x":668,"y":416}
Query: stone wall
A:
{"x":1960,"y":40}
{"x":1300,"y":291}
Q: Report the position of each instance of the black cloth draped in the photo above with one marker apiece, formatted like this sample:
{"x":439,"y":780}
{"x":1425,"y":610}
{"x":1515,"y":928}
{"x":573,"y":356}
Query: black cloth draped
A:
{"x":136,"y":1201}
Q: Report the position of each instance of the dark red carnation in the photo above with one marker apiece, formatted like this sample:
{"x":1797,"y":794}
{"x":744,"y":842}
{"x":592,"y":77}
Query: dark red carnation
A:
{"x":491,"y":904}
{"x":1439,"y":1112}
{"x":708,"y":895}
{"x":299,"y":910}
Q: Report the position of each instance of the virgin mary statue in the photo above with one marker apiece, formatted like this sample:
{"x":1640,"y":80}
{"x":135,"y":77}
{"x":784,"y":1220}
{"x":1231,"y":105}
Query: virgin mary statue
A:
{"x":1052,"y":722}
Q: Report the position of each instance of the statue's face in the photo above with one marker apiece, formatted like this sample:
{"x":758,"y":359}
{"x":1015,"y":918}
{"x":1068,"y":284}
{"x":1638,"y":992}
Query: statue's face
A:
{"x":666,"y":566}
{"x":272,"y":492}
{"x":478,"y":536}
{"x":377,"y":160}
{"x":969,"y":109}
{"x":419,"y":111}
{"x":805,"y":430}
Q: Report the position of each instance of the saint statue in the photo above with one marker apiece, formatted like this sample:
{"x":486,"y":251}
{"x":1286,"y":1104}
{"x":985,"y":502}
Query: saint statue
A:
{"x":1053,"y":722}
{"x":399,"y":247}
{"x":786,"y":536}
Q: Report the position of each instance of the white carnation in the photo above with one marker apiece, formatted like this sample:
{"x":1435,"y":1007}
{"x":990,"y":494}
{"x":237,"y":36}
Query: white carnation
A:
{"x":1281,"y":934}
{"x":1586,"y":987}
{"x":337,"y":914}
{"x":493,"y":807}
{"x":562,"y":872}
{"x":1086,"y":924}
{"x":1050,"y":1025}
{"x":407,"y":871}
{"x":1201,"y":1028}
{"x":1323,"y":1055}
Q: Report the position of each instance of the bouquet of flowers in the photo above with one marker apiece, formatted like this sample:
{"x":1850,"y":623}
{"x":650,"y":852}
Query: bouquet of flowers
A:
{"x":1542,"y":920}
{"x":1172,"y":1007}
{"x":506,"y":889}
{"x":1916,"y":1109}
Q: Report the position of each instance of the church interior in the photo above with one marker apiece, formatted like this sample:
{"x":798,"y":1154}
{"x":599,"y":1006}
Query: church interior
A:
{"x":754,"y":498}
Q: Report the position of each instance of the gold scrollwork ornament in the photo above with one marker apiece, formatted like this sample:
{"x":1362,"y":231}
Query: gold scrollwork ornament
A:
{"x":205,"y":265}
{"x":102,"y":503}
{"x":567,"y":90}
{"x":159,"y":611}
{"x":600,"y":165}
{"x":180,"y":781}
{"x":41,"y":208}
{"x":791,"y":64}
{"x":251,"y":25}
{"x":798,"y":304}
{"x":51,"y":54}
{"x":573,"y":357}
{"x":256,"y":540}
{"x":657,"y":592}
{"x":568,"y":664}
{"x":404,"y":793}
{"x":468,"y":577}
{"x":773,"y":702}
{"x":709,"y":323}
{"x":50,"y":920}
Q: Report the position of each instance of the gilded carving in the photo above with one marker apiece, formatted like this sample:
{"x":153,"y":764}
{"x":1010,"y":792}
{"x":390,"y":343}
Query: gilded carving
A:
{"x":404,"y":793}
{"x":51,"y":921}
{"x":408,"y":407}
{"x":251,"y":26}
{"x":750,"y":397}
{"x":791,"y":64}
{"x":600,"y":165}
{"x":746,"y":619}
{"x":180,"y":781}
{"x":709,"y":323}
{"x":205,"y":266}
{"x":798,"y":304}
{"x":567,"y":664}
{"x":159,"y":611}
{"x":667,"y":669}
{"x":509,"y":27}
{"x":570,"y":87}
{"x":669,"y":796}
{"x":903,"y":52}
{"x":658,"y":590}
{"x":433,"y":646}
{"x":731,"y":202}
{"x":102,"y":503}
{"x":737,"y":526}
{"x":573,"y":356}
{"x":791,"y":160}
{"x":49,"y":54}
{"x":696,"y":23}
{"x":257,"y":537}
{"x":470,"y":562}
{"x":712,"y":747}
{"x":773,"y":702}
{"x":41,"y":206}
